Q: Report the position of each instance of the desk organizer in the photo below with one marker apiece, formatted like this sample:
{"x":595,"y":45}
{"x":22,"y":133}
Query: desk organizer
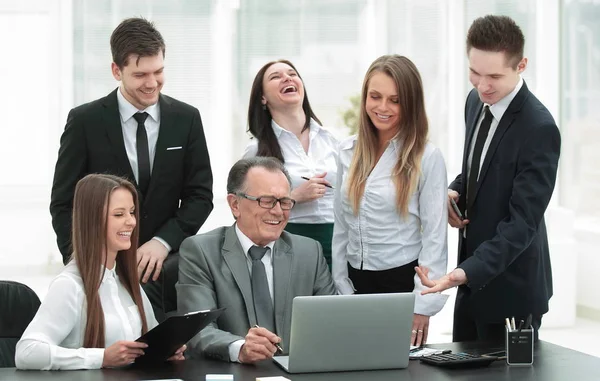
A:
{"x":519,"y":347}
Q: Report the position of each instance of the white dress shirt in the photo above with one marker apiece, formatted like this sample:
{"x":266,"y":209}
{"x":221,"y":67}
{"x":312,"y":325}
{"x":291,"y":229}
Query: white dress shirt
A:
{"x":54,"y":338}
{"x":321,"y":157}
{"x":129,"y":128}
{"x":267,"y":260}
{"x":379,"y":237}
{"x":498,"y":109}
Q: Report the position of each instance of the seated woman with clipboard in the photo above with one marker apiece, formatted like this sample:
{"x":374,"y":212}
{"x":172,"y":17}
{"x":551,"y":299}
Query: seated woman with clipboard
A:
{"x":95,"y":308}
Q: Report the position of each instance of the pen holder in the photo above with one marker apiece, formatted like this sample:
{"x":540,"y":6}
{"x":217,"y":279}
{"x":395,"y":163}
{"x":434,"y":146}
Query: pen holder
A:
{"x":519,"y":347}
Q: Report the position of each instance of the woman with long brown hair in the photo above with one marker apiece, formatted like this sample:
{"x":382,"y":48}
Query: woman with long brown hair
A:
{"x":390,"y":206}
{"x":95,"y":308}
{"x":284,"y":126}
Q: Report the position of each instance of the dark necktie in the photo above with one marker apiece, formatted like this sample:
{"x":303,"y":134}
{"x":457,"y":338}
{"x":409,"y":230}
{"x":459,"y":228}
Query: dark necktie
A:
{"x":484,"y":128}
{"x":143,"y":156}
{"x":263,"y":306}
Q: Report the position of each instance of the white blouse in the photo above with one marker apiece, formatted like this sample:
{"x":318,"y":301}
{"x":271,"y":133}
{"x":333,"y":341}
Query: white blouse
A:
{"x":379,"y":238}
{"x":54,"y":338}
{"x":321,"y":157}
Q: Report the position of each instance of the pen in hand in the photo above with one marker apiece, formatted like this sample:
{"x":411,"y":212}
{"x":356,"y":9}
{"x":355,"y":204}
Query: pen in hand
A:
{"x":276,"y":345}
{"x":327,"y":185}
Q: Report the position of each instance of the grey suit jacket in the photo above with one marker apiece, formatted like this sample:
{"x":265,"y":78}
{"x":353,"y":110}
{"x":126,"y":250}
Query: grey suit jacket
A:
{"x":213,"y":273}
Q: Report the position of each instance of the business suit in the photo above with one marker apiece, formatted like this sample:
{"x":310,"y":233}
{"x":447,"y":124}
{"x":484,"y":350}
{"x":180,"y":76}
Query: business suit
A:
{"x":505,"y":253}
{"x":213,"y":273}
{"x":93,"y":143}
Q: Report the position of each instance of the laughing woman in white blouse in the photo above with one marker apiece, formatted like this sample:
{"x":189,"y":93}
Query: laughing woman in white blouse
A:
{"x":285,"y":127}
{"x":390,"y":207}
{"x":95,"y":308}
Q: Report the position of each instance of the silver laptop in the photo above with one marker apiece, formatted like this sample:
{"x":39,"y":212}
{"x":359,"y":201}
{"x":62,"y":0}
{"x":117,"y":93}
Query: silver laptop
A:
{"x":349,"y":332}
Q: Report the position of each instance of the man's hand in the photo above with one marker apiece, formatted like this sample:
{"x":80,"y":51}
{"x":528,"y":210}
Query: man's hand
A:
{"x":420,"y":329}
{"x":178,"y":355}
{"x":122,"y":353}
{"x":452,"y":279}
{"x":311,"y":189}
{"x":259,"y":345}
{"x":150,"y":257}
{"x":453,"y":218}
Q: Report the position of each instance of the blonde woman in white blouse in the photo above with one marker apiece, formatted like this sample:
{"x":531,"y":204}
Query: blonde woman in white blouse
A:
{"x":284,"y":126}
{"x":390,"y":206}
{"x":95,"y":308}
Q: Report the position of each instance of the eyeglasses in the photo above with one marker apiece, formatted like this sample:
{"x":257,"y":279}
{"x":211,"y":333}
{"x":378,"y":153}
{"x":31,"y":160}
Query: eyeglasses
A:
{"x":269,"y":202}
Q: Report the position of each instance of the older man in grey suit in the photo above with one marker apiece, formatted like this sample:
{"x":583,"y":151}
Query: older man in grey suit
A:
{"x":252,"y":268}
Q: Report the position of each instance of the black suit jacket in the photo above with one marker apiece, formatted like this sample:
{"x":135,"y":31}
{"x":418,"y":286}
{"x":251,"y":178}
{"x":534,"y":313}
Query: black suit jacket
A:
{"x":179,"y":197}
{"x":505,"y":254}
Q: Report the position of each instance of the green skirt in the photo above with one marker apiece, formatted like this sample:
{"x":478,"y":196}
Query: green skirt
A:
{"x":319,"y":232}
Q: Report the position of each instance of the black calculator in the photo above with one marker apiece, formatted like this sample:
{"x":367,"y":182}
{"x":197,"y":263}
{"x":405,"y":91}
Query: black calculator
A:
{"x":460,"y":360}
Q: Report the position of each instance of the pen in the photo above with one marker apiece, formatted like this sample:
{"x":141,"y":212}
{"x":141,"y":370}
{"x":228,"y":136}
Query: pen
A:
{"x":508,"y":324}
{"x":306,"y":178}
{"x":276,"y":345}
{"x":513,"y":325}
{"x":520,"y":325}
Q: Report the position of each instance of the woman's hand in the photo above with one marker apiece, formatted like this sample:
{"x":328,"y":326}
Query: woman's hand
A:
{"x":122,"y":353}
{"x":178,"y":354}
{"x":311,"y":189}
{"x":420,"y":330}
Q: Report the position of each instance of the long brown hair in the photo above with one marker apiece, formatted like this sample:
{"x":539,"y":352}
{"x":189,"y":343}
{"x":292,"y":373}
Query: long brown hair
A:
{"x":412,"y":133}
{"x":259,"y":119}
{"x":90,"y":214}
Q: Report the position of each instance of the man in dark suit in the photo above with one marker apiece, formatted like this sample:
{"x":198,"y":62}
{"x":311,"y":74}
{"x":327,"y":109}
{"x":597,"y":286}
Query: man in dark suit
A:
{"x":252,"y":268}
{"x":512,"y":147}
{"x":155,"y":141}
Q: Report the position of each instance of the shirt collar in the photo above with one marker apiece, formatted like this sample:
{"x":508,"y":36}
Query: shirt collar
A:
{"x":109,"y":273}
{"x":499,"y":108}
{"x":247,"y":242}
{"x":314,"y":128}
{"x":127,"y":110}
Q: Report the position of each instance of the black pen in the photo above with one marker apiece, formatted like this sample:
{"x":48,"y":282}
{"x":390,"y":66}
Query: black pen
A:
{"x":276,"y":345}
{"x":327,"y":185}
{"x":521,"y":325}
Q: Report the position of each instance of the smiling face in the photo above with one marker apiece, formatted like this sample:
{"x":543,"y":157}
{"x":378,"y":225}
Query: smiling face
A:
{"x":382,"y":105}
{"x":141,"y":82}
{"x":282,"y":87}
{"x":259,"y":224}
{"x":491,"y":74}
{"x":120,"y":221}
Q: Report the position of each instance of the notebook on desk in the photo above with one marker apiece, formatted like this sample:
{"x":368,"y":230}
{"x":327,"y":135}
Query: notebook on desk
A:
{"x":349,"y":332}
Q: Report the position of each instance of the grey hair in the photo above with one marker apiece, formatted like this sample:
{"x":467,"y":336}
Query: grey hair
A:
{"x":237,"y":174}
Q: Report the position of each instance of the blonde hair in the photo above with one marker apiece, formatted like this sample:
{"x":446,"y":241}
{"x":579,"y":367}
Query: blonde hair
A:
{"x":412,"y":133}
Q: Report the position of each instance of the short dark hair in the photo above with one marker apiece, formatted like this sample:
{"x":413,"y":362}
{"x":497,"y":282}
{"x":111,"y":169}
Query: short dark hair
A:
{"x":238,"y":173}
{"x":497,"y":34}
{"x":136,"y":36}
{"x":259,"y":119}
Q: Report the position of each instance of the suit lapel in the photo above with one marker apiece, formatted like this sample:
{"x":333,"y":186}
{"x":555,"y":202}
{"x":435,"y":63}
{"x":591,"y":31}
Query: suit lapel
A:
{"x":505,"y":123}
{"x":111,"y":120}
{"x":282,"y":273}
{"x":234,"y":256}
{"x":469,"y":139}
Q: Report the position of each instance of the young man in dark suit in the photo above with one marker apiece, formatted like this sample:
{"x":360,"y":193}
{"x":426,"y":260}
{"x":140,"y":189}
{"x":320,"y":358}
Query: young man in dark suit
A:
{"x":508,"y":175}
{"x":155,"y":141}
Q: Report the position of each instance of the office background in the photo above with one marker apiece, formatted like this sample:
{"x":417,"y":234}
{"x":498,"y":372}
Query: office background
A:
{"x":56,"y":55}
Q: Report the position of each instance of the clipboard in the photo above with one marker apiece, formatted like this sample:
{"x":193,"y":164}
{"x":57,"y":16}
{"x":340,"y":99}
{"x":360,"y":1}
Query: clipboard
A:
{"x":164,"y":339}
